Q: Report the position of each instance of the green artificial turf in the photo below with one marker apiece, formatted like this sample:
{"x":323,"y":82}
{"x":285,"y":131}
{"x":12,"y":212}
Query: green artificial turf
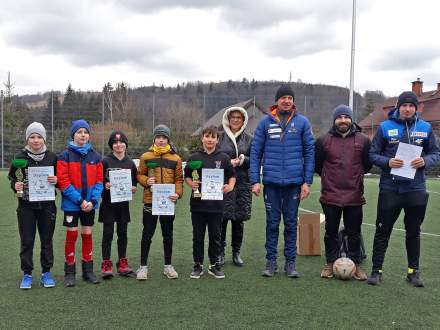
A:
{"x":244,"y":300}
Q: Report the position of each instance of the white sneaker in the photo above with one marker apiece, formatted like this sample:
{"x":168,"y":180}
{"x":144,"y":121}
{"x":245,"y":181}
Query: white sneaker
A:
{"x":142,"y":273}
{"x":170,"y":272}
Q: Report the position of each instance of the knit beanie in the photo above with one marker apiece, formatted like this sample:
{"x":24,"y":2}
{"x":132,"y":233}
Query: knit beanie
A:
{"x":117,"y":136}
{"x":36,"y":127}
{"x":342,"y":109}
{"x":407,"y":97}
{"x":77,"y":124}
{"x":284,"y":90}
{"x":162,"y":130}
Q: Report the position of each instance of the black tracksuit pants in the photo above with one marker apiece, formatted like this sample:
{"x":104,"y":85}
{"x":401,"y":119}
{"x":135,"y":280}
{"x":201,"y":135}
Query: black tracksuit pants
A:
{"x":150,"y":223}
{"x":201,"y":220}
{"x":389,"y":206}
{"x":236,"y":237}
{"x":352,"y":224}
{"x":107,"y":237}
{"x":29,"y":221}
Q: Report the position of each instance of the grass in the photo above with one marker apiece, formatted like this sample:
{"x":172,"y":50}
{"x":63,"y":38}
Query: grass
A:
{"x":244,"y":300}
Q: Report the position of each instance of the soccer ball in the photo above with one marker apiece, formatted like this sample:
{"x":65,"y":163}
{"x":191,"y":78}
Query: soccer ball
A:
{"x":344,"y":268}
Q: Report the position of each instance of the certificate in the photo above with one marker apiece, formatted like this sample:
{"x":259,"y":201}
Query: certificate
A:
{"x":212,"y":183}
{"x":407,"y":153}
{"x":120,"y":190}
{"x":162,"y":204}
{"x":39,"y":188}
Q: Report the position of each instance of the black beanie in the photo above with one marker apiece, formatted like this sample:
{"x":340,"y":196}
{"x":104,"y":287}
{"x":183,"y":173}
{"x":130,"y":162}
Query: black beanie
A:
{"x":284,"y":90}
{"x":117,"y":136}
{"x":407,"y":97}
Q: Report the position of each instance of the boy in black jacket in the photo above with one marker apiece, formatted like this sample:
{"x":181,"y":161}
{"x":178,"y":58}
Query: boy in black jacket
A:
{"x":34,"y":215}
{"x":109,"y":212}
{"x":208,"y":212}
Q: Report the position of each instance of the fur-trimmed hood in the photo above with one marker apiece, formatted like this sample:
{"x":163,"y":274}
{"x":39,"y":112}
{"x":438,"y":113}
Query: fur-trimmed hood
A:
{"x":227,"y":129}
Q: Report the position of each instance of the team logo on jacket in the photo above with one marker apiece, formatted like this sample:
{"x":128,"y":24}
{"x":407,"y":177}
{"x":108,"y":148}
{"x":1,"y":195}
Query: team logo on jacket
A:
{"x":394,"y":140}
{"x":218,"y":164}
{"x":393,"y":132}
{"x":418,"y":141}
{"x":292,"y":128}
{"x":419,"y":134}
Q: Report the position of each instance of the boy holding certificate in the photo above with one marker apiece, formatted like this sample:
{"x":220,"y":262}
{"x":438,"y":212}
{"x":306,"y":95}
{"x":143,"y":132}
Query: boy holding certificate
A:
{"x":159,"y":165}
{"x":33,"y":215}
{"x":79,"y":170}
{"x":118,"y":212}
{"x":207,"y":210}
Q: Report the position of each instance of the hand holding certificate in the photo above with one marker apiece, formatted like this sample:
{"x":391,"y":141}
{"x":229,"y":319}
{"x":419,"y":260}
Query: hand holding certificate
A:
{"x":40,"y":189}
{"x":407,"y":153}
{"x":121,"y":185}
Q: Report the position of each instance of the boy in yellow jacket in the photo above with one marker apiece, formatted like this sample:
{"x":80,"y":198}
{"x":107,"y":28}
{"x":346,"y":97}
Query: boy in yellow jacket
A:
{"x":169,"y":171}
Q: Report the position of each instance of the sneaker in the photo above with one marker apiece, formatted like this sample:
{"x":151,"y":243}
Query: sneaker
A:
{"x":197,"y":271}
{"x":413,"y":278}
{"x":221,"y":259}
{"x":375,"y":277}
{"x":216,"y":271}
{"x":170,"y":272}
{"x":290,"y":269}
{"x":271,"y":269}
{"x":359,"y":274}
{"x":142,"y":273}
{"x":123,"y":268}
{"x":26,"y":282}
{"x":107,"y":269}
{"x":47,"y":280}
{"x":327,"y":271}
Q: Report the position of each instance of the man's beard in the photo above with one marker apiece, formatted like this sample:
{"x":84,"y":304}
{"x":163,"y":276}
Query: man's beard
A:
{"x":342,"y":128}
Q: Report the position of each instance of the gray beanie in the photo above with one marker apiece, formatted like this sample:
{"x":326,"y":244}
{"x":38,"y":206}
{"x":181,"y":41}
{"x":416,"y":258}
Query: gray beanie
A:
{"x":36,"y":127}
{"x":162,"y":130}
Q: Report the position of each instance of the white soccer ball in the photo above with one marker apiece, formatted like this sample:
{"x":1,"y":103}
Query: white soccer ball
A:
{"x":344,"y":268}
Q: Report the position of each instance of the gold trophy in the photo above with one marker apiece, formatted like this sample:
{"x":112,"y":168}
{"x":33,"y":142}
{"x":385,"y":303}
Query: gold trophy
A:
{"x":151,"y":166}
{"x":194,"y":165}
{"x":19,"y":164}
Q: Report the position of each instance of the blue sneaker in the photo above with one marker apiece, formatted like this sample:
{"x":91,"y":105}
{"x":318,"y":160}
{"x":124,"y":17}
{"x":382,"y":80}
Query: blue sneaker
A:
{"x":26,"y":282}
{"x":47,"y":280}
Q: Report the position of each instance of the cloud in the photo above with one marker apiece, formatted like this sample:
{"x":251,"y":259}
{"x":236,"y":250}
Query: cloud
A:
{"x":405,"y":59}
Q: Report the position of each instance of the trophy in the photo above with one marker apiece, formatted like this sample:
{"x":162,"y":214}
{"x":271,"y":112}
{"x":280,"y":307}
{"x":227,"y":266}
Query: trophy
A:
{"x":194,"y":165}
{"x":151,"y":166}
{"x":19,"y":164}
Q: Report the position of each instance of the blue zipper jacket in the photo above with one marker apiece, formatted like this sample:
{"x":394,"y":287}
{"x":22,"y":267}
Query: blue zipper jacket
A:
{"x":384,"y":147}
{"x":287,"y":153}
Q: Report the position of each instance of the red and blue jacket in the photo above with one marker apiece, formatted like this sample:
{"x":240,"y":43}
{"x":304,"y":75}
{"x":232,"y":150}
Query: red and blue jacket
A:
{"x":80,"y":176}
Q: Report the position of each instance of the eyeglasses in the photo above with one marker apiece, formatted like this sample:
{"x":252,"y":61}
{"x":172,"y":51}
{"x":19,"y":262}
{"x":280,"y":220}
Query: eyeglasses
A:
{"x":236,"y":117}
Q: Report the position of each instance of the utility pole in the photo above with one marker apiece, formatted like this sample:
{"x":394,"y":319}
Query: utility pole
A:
{"x":353,"y":40}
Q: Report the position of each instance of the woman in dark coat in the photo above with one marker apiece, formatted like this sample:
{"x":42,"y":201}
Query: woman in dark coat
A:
{"x":237,"y":144}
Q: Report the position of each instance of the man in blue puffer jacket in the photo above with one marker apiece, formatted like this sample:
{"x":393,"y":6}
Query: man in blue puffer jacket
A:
{"x":397,"y":193}
{"x":284,"y":145}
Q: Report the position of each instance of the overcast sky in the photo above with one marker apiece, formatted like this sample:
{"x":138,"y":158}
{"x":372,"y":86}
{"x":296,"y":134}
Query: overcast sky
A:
{"x":47,"y":44}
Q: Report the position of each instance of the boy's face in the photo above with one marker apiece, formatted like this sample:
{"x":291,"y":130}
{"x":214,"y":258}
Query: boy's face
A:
{"x":35,"y":141}
{"x":119,"y":147}
{"x":161,"y":140}
{"x":209,"y":141}
{"x":81,"y":137}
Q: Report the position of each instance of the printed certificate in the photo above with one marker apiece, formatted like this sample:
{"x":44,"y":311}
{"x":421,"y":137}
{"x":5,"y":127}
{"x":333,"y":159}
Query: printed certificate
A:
{"x":39,"y":188}
{"x":120,"y":190}
{"x":212,"y":183}
{"x":162,"y":204}
{"x":407,"y":153}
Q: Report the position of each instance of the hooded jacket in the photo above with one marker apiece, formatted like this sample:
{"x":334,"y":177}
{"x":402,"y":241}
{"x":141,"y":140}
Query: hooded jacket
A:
{"x":384,"y":146}
{"x":286,"y":152}
{"x":80,"y":177}
{"x":237,"y":202}
{"x":342,"y":162}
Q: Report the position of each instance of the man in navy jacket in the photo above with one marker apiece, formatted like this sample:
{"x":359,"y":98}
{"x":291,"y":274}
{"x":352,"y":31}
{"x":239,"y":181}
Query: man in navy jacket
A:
{"x":396,"y":192}
{"x":284,"y":145}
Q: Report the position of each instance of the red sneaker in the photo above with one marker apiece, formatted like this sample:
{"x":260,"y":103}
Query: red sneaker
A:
{"x":107,"y":268}
{"x":123,"y":267}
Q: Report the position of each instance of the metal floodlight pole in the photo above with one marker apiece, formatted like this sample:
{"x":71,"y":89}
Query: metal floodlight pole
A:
{"x":103,"y":129}
{"x":3,"y":158}
{"x":353,"y":40}
{"x":51,"y":114}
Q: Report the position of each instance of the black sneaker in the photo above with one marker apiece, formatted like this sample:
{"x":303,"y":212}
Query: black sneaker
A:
{"x":414,"y":279}
{"x":197,"y":271}
{"x":375,"y":278}
{"x":216,"y":271}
